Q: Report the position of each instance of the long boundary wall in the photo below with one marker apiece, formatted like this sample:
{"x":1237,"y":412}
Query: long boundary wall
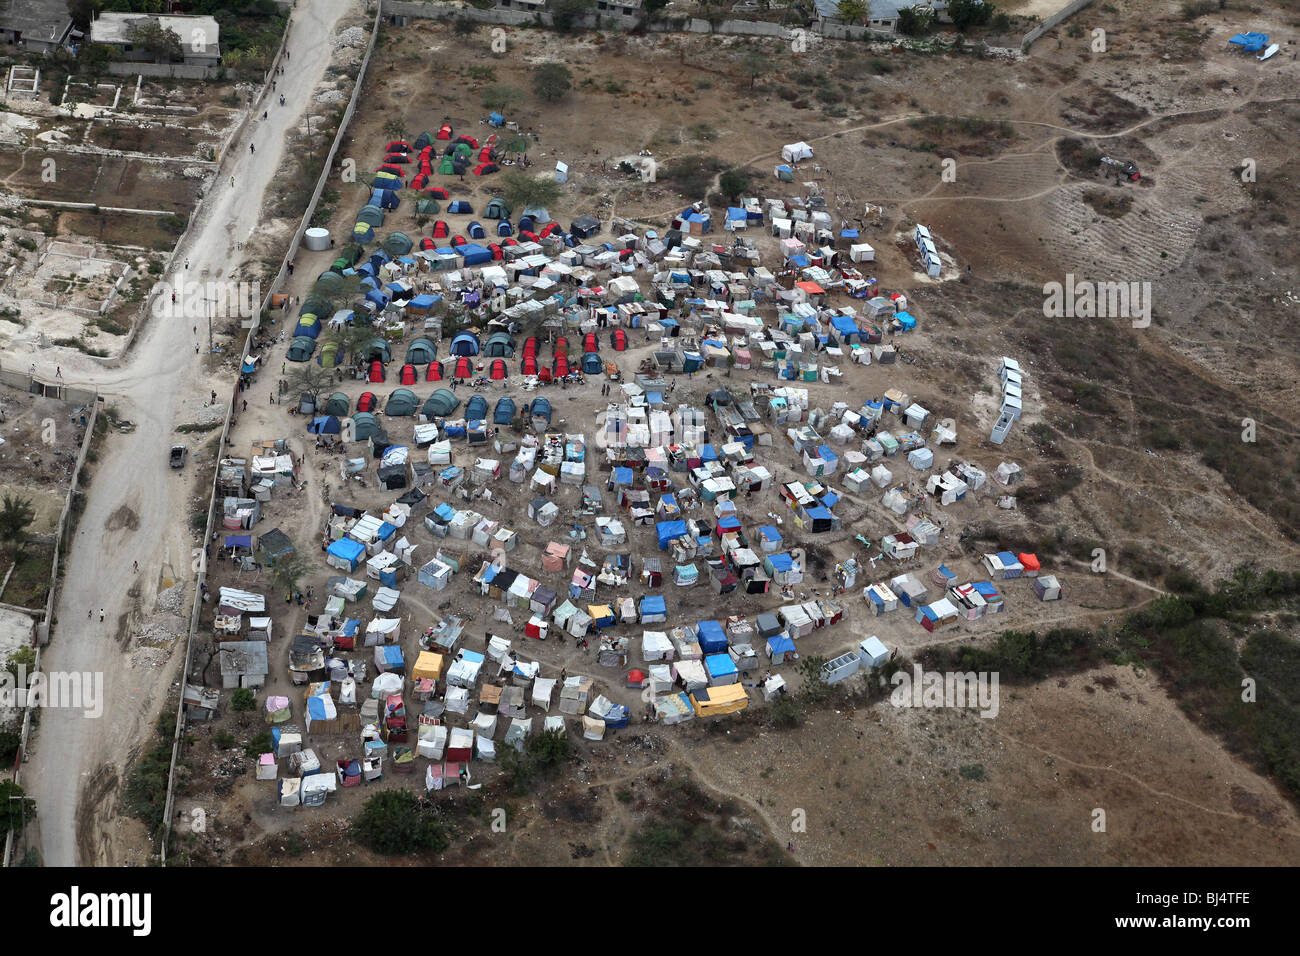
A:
{"x":1067,"y":11}
{"x":276,"y":284}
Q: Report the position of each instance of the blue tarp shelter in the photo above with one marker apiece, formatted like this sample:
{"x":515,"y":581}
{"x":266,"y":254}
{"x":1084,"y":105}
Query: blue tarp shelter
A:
{"x":346,"y":554}
{"x":667,"y":531}
{"x":1250,"y":42}
{"x":712,"y":638}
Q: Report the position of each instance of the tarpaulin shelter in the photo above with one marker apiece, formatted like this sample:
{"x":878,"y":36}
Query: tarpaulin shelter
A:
{"x":1250,"y":42}
{"x":440,"y":404}
{"x":421,"y":352}
{"x":584,"y":227}
{"x":402,"y":402}
{"x":325,"y":425}
{"x":301,"y":349}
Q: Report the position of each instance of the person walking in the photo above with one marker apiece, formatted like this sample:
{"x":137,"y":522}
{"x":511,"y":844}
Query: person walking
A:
{"x":232,"y":182}
{"x":245,"y":408}
{"x":290,"y":267}
{"x":252,"y":148}
{"x":187,"y":262}
{"x":101,"y":615}
{"x":58,"y":372}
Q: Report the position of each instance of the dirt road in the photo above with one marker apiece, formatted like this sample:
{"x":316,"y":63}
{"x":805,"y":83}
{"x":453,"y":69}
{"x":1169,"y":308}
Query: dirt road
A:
{"x":161,"y":384}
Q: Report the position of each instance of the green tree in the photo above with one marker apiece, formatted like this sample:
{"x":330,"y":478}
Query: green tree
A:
{"x":287,"y":571}
{"x":82,"y":12}
{"x":16,"y":516}
{"x":161,"y":42}
{"x":565,"y":13}
{"x":552,"y":81}
{"x":395,"y":822}
{"x":521,"y":190}
{"x":395,"y":128}
{"x":853,"y":11}
{"x":652,"y":8}
{"x":310,"y":378}
{"x":502,"y":97}
{"x":542,"y":754}
{"x":14,"y":813}
{"x":914,"y":21}
{"x":970,"y":13}
{"x":243,"y":700}
{"x":517,"y":145}
{"x":755,"y":63}
{"x":24,"y":657}
{"x":733,"y":182}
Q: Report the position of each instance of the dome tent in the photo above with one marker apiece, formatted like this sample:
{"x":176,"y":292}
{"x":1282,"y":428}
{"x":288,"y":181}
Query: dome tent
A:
{"x":465,"y":343}
{"x":397,"y":244}
{"x":427,"y":207}
{"x":328,"y":285}
{"x":504,"y":413}
{"x":367,"y":402}
{"x":308,"y":325}
{"x":435,"y":372}
{"x":421,"y":352}
{"x":329,"y":356}
{"x":407,"y":375}
{"x":301,"y":349}
{"x":317,"y":305}
{"x":477,"y":409}
{"x":497,"y":208}
{"x":497,"y":370}
{"x":464,"y":368}
{"x":591,"y":363}
{"x":499,"y":345}
{"x":402,"y":402}
{"x":363,"y":232}
{"x":378,"y":348}
{"x":338,"y":404}
{"x":364,"y":426}
{"x":421,"y":141}
{"x":440,"y":404}
{"x":372,"y":215}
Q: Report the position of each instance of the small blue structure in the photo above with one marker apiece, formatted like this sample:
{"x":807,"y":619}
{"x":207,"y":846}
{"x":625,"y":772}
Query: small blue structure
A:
{"x":1250,"y":42}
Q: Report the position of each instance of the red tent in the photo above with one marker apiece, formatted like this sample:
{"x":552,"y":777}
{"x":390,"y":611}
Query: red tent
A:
{"x":530,"y":236}
{"x":561,"y":365}
{"x":435,"y":372}
{"x":528,"y":365}
{"x":397,"y":158}
{"x":444,"y":131}
{"x":464,"y":367}
{"x":544,"y":375}
{"x":408,"y":376}
{"x":390,"y":168}
{"x":619,"y":338}
{"x":509,"y":241}
{"x":367,"y":401}
{"x":440,"y":229}
{"x":530,"y":345}
{"x":426,"y":243}
{"x":376,"y":371}
{"x":418,"y":182}
{"x":437,"y":192}
{"x":469,"y":141}
{"x":497,"y":253}
{"x":590,"y":343}
{"x":498,"y":370}
{"x":636,"y":678}
{"x":625,"y":253}
{"x":549,"y":228}
{"x":485,"y":154}
{"x":561,"y":345}
{"x":458,"y":240}
{"x":485,"y":169}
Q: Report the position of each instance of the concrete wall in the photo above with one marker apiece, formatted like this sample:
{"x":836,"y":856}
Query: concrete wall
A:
{"x":1067,"y":11}
{"x":177,"y":71}
{"x":276,"y":284}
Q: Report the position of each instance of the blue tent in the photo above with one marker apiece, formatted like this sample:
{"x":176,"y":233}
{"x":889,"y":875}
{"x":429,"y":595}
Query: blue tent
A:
{"x":1250,"y":42}
{"x":721,"y":668}
{"x":325,"y":425}
{"x":496,"y":119}
{"x":505,"y":411}
{"x":504,"y":229}
{"x":460,"y":207}
{"x":383,"y":198}
{"x":541,"y":409}
{"x":477,"y":409}
{"x":476,"y":230}
{"x":347,"y":552}
{"x":591,"y":363}
{"x":712,"y":638}
{"x":527,"y":224}
{"x":667,"y":531}
{"x":465,"y":343}
{"x":308,"y":325}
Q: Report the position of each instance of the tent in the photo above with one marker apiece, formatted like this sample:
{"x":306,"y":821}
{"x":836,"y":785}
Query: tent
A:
{"x":441,"y":230}
{"x":497,"y":208}
{"x":485,"y":169}
{"x":367,"y":402}
{"x":330,"y":356}
{"x":402,"y":402}
{"x":499,"y":345}
{"x":435,"y":372}
{"x":460,"y":207}
{"x":407,"y":375}
{"x":397,"y":244}
{"x":444,"y":131}
{"x":465,"y":343}
{"x":421,"y":352}
{"x":325,"y":425}
{"x":427,"y":207}
{"x":364,"y":426}
{"x":504,"y":228}
{"x":301,"y":349}
{"x":796,"y":152}
{"x":497,"y":370}
{"x":337,"y":404}
{"x":376,"y":371}
{"x":560,"y":366}
{"x":618,"y":339}
{"x":378,"y":349}
{"x":477,"y":409}
{"x":371,"y":215}
{"x":464,"y":368}
{"x":785,"y":174}
{"x":505,"y":411}
{"x":528,"y":365}
{"x":540,"y":412}
{"x":446,"y":167}
{"x":440,"y":404}
{"x":590,"y":343}
{"x":476,"y":230}
{"x":591,"y":364}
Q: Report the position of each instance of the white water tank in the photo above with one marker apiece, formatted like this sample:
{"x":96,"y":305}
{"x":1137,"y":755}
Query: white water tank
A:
{"x":316,"y":239}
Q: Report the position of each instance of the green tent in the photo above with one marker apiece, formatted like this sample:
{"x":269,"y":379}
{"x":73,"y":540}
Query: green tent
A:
{"x":364,"y":426}
{"x":427,"y":207}
{"x":421,"y":352}
{"x":446,"y":167}
{"x":372,"y":215}
{"x":402,"y":402}
{"x":378,"y":349}
{"x":462,"y":149}
{"x":497,"y":209}
{"x":440,"y":404}
{"x":338,"y":405}
{"x":300,"y":348}
{"x":329,"y":358}
{"x":317,"y":305}
{"x":397,"y":244}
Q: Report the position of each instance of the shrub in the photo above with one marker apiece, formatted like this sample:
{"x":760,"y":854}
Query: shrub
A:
{"x":396,"y":822}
